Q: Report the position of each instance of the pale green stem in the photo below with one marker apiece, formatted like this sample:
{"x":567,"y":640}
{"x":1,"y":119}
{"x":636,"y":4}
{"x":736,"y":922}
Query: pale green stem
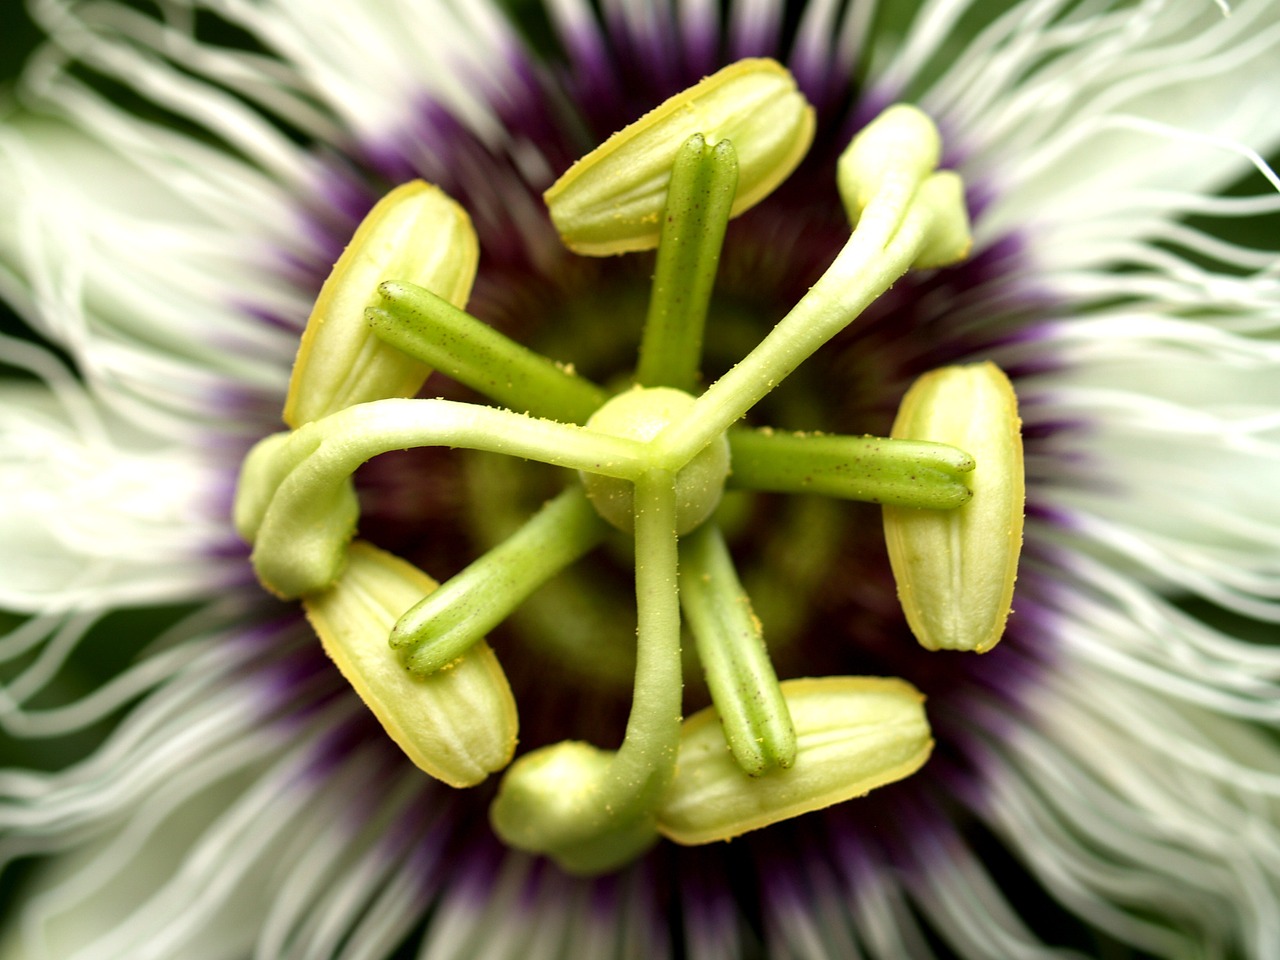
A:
{"x":743,"y":684}
{"x":700,"y":195}
{"x":646,"y":760}
{"x":429,"y":328}
{"x":907,"y":473}
{"x":299,"y":546}
{"x":593,"y":817}
{"x":445,"y":623}
{"x":351,"y":436}
{"x":860,"y":274}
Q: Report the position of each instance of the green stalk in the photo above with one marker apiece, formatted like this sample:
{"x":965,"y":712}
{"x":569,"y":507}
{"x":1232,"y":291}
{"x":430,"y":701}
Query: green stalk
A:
{"x":906,"y":473}
{"x":703,"y":184}
{"x":434,"y":331}
{"x":744,"y":687}
{"x":444,"y":624}
{"x":646,"y":760}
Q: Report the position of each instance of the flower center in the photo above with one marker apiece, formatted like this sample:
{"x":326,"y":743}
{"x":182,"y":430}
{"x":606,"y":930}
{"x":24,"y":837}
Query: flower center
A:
{"x":642,"y":414}
{"x":655,"y":461}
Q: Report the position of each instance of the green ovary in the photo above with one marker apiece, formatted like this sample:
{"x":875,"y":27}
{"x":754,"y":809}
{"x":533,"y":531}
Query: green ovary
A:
{"x":641,"y":414}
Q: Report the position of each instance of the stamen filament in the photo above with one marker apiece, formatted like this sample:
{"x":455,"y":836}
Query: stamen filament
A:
{"x":875,"y":469}
{"x":730,"y":643}
{"x":583,"y":624}
{"x":444,"y":624}
{"x":699,"y":200}
{"x":431,"y":329}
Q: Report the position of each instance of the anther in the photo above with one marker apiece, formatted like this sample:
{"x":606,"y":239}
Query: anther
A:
{"x":956,"y":569}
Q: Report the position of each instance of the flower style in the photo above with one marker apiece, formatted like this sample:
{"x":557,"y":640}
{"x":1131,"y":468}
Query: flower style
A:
{"x":1106,"y":775}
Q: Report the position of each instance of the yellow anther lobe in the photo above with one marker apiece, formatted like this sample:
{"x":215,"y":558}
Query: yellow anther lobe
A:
{"x":414,"y":234}
{"x":458,"y":725}
{"x":611,"y":200}
{"x":956,"y":569}
{"x":853,"y":734}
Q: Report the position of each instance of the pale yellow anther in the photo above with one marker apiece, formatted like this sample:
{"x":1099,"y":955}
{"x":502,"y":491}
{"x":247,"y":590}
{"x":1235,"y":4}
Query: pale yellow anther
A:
{"x":458,"y":725}
{"x":955,"y":569}
{"x":853,"y":734}
{"x":414,"y":234}
{"x":611,"y":201}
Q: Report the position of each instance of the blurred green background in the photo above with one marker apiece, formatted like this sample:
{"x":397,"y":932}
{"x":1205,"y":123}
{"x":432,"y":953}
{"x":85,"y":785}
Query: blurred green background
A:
{"x":18,"y":37}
